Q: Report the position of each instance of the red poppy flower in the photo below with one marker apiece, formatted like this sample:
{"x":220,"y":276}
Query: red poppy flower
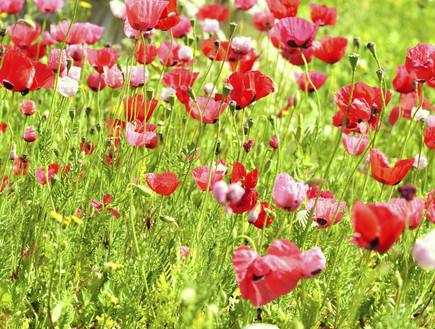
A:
{"x":420,"y":62}
{"x":244,"y":4}
{"x":53,"y":60}
{"x":30,"y":134}
{"x":376,"y":227}
{"x":273,"y":143}
{"x":294,"y":56}
{"x":263,"y":20}
{"x":249,"y":87}
{"x":323,"y":14}
{"x":314,"y":191}
{"x":48,"y":6}
{"x":208,"y":48}
{"x":3,"y":127}
{"x":245,"y":62}
{"x":20,"y":164}
{"x":98,"y":58}
{"x":355,"y":144}
{"x":13,"y":7}
{"x":44,"y":77}
{"x":4,"y":184}
{"x":40,"y":173}
{"x":80,"y":33}
{"x":37,"y":49}
{"x":22,"y":35}
{"x":429,"y":205}
{"x":201,"y":177}
{"x":164,"y":49}
{"x":403,"y":83}
{"x":283,"y":8}
{"x":87,"y":147}
{"x":210,"y":108}
{"x":365,"y":105}
{"x":326,"y":212}
{"x":249,"y":182}
{"x":107,"y":199}
{"x":135,"y":108}
{"x":179,"y":77}
{"x":412,"y":209}
{"x":264,"y":279}
{"x":295,"y":32}
{"x":14,"y":62}
{"x":383,"y":172}
{"x":410,"y":101}
{"x":164,"y":183}
{"x":212,"y":11}
{"x":329,"y":49}
{"x":257,"y":216}
{"x":144,"y":15}
{"x":429,"y":137}
{"x":182,"y":28}
{"x":150,"y":53}
{"x":169,"y":17}
{"x":317,"y":79}
{"x":96,"y":82}
{"x":141,"y":137}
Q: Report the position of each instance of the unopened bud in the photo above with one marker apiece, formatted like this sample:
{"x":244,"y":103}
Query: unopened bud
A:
{"x":296,"y":99}
{"x":232,"y":105}
{"x":150,"y":93}
{"x":88,"y":111}
{"x":372,"y":47}
{"x":167,"y":219}
{"x":272,"y":120}
{"x":380,"y":73}
{"x":233,"y":27}
{"x":98,"y":126}
{"x":72,"y":113}
{"x":226,"y":90}
{"x":191,"y":93}
{"x":353,"y":59}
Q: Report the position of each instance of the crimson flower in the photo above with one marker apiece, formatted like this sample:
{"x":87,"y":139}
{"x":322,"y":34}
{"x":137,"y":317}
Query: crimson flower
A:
{"x":420,"y":62}
{"x":263,"y":20}
{"x":317,"y":79}
{"x":30,"y":134}
{"x":243,"y":63}
{"x":209,"y":109}
{"x":169,"y":17}
{"x":96,"y":82}
{"x":248,"y":181}
{"x":164,"y":183}
{"x":244,"y":4}
{"x":376,"y":226}
{"x":80,"y":33}
{"x":208,"y":48}
{"x":212,"y":11}
{"x":98,"y":58}
{"x":107,"y":199}
{"x":327,"y":212}
{"x":429,"y":137}
{"x":13,"y":6}
{"x":314,"y":191}
{"x":141,"y":136}
{"x":3,"y":127}
{"x":28,"y":107}
{"x":365,"y":105}
{"x":40,"y":173}
{"x":329,"y":49}
{"x":264,"y":279}
{"x":383,"y":172}
{"x":144,"y":15}
{"x":413,"y":210}
{"x":249,"y":87}
{"x":44,"y":77}
{"x":20,"y":164}
{"x":283,"y":8}
{"x":182,"y":28}
{"x":14,"y":62}
{"x":323,"y":14}
{"x":150,"y":53}
{"x":403,"y":83}
{"x":259,"y":217}
{"x":295,"y":32}
{"x":201,"y":177}
{"x":48,"y":6}
{"x":294,"y":56}
{"x":87,"y":147}
{"x":165,"y":48}
{"x":22,"y":35}
{"x":138,"y":108}
{"x":179,"y":78}
{"x":429,"y":205}
{"x":355,"y":144}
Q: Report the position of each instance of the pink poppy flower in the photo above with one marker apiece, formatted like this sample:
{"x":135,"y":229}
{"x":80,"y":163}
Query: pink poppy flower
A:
{"x":263,"y":20}
{"x":244,"y":4}
{"x":182,"y":28}
{"x":139,"y":137}
{"x":48,"y":6}
{"x":424,"y":251}
{"x":201,"y":177}
{"x":403,"y":82}
{"x":283,"y":8}
{"x":318,"y":79}
{"x":210,"y":109}
{"x":287,"y":193}
{"x":295,"y":32}
{"x":324,"y":213}
{"x":294,"y":56}
{"x":144,"y":15}
{"x":29,"y":134}
{"x":96,"y":82}
{"x":13,"y":6}
{"x":429,"y":205}
{"x":313,"y":262}
{"x":165,"y":48}
{"x":355,"y":144}
{"x":28,"y":107}
{"x":420,"y":62}
{"x":113,"y":77}
{"x":263,"y":279}
{"x":413,"y":209}
{"x":134,"y":76}
{"x":164,"y":183}
{"x":53,"y":60}
{"x":98,"y":58}
{"x":22,"y":35}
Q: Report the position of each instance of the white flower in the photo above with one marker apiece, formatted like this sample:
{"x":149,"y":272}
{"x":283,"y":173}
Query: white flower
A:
{"x":166,"y":92}
{"x":210,"y":25}
{"x":241,"y":45}
{"x":67,"y":87}
{"x":424,"y":251}
{"x":185,"y":54}
{"x":421,"y":114}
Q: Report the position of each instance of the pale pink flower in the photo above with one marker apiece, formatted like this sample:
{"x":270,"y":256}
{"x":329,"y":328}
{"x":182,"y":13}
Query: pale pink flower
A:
{"x":118,"y":9}
{"x":67,"y":87}
{"x":424,"y":251}
{"x":113,"y":77}
{"x":314,"y":262}
{"x":210,"y":26}
{"x":287,"y":193}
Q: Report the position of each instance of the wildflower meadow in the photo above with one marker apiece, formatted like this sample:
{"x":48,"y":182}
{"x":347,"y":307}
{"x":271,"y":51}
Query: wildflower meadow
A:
{"x":243,"y":164}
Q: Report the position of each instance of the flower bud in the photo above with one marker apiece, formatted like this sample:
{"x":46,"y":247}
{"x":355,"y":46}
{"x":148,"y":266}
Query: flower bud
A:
{"x":166,"y":93}
{"x":167,"y":219}
{"x":72,"y":113}
{"x":353,"y":59}
{"x":226,"y":90}
{"x":150,"y":93}
{"x":372,"y":47}
{"x":28,"y":107}
{"x":233,"y":27}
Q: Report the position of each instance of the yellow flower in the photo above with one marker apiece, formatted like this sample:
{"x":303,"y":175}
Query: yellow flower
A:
{"x":56,"y":216}
{"x":85,"y":4}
